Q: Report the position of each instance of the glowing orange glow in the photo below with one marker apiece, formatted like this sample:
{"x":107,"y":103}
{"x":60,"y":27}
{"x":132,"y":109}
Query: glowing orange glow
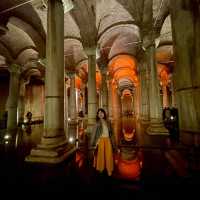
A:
{"x":126,"y":92}
{"x":79,"y":159}
{"x":125,"y":73}
{"x":83,"y":74}
{"x":124,"y":66}
{"x":128,"y":136}
{"x":129,"y":169}
{"x":98,"y":80}
{"x":82,"y":71}
{"x":163,"y":73}
{"x":164,"y":54}
{"x":78,"y":82}
{"x":122,"y":60}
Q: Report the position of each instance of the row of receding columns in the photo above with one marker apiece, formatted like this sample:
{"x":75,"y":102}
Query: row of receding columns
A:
{"x":53,"y":146}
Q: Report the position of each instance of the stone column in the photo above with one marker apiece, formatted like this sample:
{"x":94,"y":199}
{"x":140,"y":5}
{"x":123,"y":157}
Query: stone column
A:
{"x":173,"y":101}
{"x":92,"y":97}
{"x":156,"y":126}
{"x":187,"y":70}
{"x":136,"y":102}
{"x":21,"y":102}
{"x":116,"y":103}
{"x":53,"y":147}
{"x":109,"y":85}
{"x":72,"y":99}
{"x":165,"y":96}
{"x":144,"y":87}
{"x":104,"y":91}
{"x":66,"y":105}
{"x":84,"y":99}
{"x":13,"y":98}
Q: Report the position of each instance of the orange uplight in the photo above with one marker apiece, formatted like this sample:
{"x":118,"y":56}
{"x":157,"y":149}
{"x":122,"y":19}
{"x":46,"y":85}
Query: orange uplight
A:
{"x":126,"y":92}
{"x":78,"y":82}
{"x":83,"y":70}
{"x":122,"y":60}
{"x":98,"y":80}
{"x":129,"y":169}
{"x":163,"y":73}
{"x":129,"y":133}
{"x":125,"y":73}
{"x":124,"y":66}
{"x":79,"y":158}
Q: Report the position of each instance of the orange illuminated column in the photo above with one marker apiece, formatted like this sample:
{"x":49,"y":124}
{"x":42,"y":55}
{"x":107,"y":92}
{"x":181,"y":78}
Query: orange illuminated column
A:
{"x":120,"y":67}
{"x":110,"y":97}
{"x":164,"y":81}
{"x":116,"y":102}
{"x":104,"y":91}
{"x":164,"y":76}
{"x":98,"y":88}
{"x":79,"y":100}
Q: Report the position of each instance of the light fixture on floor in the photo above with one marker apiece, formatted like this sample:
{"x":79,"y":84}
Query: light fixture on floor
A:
{"x":71,"y":139}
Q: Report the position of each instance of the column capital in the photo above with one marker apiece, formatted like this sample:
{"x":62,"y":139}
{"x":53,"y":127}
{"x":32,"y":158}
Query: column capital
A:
{"x":14,"y":68}
{"x":90,"y":51}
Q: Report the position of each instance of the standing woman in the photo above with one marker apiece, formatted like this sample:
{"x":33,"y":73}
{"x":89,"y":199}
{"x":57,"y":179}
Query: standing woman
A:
{"x":103,"y":140}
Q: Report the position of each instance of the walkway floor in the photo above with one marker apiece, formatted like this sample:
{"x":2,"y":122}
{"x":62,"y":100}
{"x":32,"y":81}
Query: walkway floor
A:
{"x":161,"y":176}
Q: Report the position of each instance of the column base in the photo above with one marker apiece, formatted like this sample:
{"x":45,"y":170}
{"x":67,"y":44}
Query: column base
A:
{"x":157,"y":128}
{"x":91,"y":121}
{"x":144,"y":121}
{"x":50,"y":154}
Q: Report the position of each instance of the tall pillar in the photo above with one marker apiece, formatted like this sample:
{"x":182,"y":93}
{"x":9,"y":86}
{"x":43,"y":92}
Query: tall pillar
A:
{"x":165,"y":96}
{"x":156,"y":126}
{"x":72,"y":99}
{"x":92,"y":97}
{"x":110,"y":113}
{"x":144,"y":87}
{"x":21,"y":102}
{"x":13,"y":97}
{"x":53,"y":147}
{"x":104,"y":91}
{"x":187,"y":71}
{"x":66,"y":105}
{"x":136,"y":102}
{"x":116,"y":103}
{"x":84,"y":100}
{"x":173,"y":101}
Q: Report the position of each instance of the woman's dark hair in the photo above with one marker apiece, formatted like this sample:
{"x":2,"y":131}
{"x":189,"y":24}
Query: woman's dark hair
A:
{"x":100,"y":110}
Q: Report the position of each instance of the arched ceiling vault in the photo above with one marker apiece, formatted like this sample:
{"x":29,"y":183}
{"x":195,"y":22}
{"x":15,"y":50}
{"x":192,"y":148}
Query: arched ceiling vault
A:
{"x":118,"y":26}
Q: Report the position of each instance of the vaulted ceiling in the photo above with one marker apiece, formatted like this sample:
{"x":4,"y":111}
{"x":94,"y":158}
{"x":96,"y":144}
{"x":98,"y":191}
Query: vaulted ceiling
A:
{"x":115,"y":26}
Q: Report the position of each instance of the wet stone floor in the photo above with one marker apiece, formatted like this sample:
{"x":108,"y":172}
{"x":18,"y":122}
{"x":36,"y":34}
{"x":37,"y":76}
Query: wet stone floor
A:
{"x":165,"y":174}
